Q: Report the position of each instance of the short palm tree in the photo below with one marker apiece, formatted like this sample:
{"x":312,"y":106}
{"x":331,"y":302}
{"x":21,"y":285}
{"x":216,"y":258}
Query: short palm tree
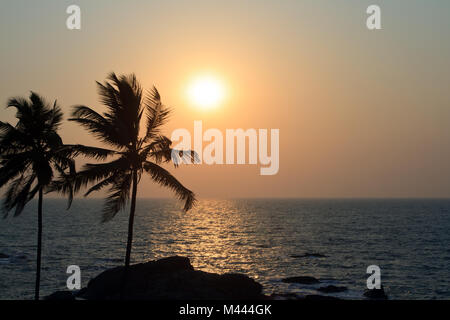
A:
{"x":132,"y":153}
{"x":31,"y":152}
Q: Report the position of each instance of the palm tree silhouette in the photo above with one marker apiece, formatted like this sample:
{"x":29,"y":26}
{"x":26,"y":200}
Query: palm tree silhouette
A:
{"x":134,"y":154}
{"x":30,"y":154}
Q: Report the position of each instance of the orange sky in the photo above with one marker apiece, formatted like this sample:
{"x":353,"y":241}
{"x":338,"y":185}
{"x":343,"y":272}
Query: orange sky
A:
{"x":361,"y":113}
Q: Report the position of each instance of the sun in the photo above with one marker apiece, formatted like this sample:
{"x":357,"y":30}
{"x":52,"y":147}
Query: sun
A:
{"x":206,"y":92}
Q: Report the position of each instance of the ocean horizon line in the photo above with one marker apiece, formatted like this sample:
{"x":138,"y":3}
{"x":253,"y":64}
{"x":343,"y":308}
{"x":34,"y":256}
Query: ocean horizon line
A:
{"x":262,"y":198}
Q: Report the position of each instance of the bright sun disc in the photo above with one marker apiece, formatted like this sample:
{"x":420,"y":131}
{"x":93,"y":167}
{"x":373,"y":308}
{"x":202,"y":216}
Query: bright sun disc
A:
{"x":206,"y":92}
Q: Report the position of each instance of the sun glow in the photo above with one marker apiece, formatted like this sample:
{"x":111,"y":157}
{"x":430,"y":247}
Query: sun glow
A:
{"x":206,"y":92}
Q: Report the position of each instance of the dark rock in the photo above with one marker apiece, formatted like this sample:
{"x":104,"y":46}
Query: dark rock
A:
{"x":284,"y":296}
{"x":3,"y":256}
{"x":332,"y":289}
{"x":171,"y":278}
{"x":293,"y":296}
{"x":80,"y":292}
{"x":61,"y":295}
{"x":301,"y":280}
{"x":309,"y":255}
{"x":376,"y":294}
{"x":318,"y":297}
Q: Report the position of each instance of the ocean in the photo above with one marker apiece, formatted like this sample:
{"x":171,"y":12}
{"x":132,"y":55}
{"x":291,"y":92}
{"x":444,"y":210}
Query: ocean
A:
{"x":408,"y":239}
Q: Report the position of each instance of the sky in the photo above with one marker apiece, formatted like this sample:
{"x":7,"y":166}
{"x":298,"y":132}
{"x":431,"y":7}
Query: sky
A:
{"x":361,"y":113}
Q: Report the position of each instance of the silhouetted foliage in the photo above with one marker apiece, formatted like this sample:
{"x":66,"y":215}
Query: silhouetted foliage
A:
{"x":31,"y":155}
{"x":131,"y":154}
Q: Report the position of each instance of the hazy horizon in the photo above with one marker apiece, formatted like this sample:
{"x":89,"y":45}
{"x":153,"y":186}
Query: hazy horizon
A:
{"x":168,"y":197}
{"x":361,"y":114}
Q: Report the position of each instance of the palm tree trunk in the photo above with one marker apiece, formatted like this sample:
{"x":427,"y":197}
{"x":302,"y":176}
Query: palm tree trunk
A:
{"x":130,"y":234}
{"x":131,"y":221}
{"x":39,"y":247}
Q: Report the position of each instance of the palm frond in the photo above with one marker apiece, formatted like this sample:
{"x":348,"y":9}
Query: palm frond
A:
{"x":104,"y":183}
{"x":176,"y":156}
{"x":12,"y":139}
{"x":53,"y":140}
{"x":160,"y":151}
{"x":157,"y":144}
{"x":17,"y":194}
{"x":157,"y":113}
{"x":92,"y":173}
{"x":74,"y":150}
{"x":118,"y":197}
{"x":123,"y":97}
{"x":102,"y":129}
{"x":13,"y":165}
{"x":56,"y":117}
{"x":38,"y":103}
{"x":66,"y":181}
{"x":23,"y":108}
{"x":5,"y":128}
{"x":165,"y":179}
{"x":29,"y":151}
{"x":84,"y":112}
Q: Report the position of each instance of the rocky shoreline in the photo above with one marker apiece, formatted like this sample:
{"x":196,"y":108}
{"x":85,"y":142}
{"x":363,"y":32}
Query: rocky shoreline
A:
{"x":174,"y":278}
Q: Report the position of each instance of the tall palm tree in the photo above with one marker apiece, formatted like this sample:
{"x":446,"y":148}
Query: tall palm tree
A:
{"x":31,"y":152}
{"x":132,"y":153}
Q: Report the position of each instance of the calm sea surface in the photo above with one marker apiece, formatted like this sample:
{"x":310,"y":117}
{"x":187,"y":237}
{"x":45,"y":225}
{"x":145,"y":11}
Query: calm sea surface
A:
{"x":408,"y":239}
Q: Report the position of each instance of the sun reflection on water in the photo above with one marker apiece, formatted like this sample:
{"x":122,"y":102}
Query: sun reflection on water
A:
{"x":257,"y":237}
{"x":215,"y":235}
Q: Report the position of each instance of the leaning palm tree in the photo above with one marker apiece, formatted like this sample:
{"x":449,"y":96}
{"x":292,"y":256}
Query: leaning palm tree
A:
{"x":30,"y":155}
{"x":132,"y":153}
